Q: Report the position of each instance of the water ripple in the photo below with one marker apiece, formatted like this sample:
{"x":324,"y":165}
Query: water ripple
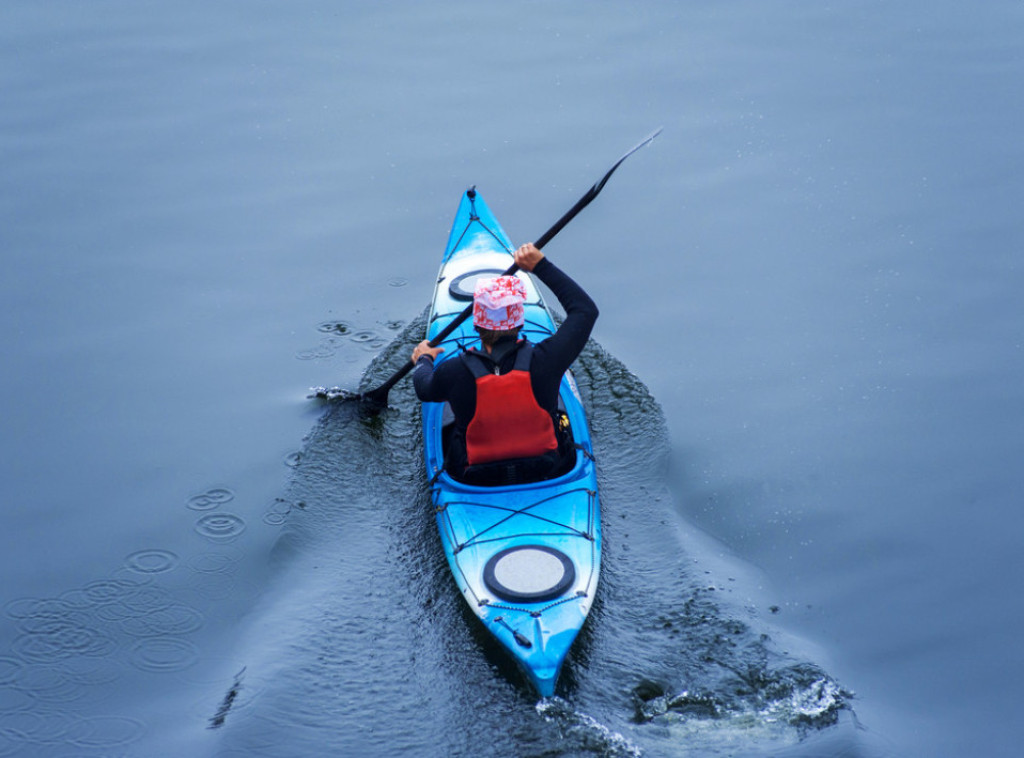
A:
{"x":210,"y":499}
{"x":152,"y":561}
{"x":104,"y":732}
{"x":334,"y":327}
{"x":9,"y":668}
{"x":175,"y":619}
{"x":162,"y":654}
{"x":220,"y":527}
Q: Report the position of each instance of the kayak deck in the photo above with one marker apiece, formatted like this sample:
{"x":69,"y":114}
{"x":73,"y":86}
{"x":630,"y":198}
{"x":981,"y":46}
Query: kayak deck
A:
{"x":525,"y":557}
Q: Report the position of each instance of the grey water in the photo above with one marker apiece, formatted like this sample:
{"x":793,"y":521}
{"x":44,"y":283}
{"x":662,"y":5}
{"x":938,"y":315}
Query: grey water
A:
{"x":806,"y":385}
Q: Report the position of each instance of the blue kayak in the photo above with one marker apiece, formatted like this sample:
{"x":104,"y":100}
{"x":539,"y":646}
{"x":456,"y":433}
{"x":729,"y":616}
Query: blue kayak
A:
{"x":526,"y":557}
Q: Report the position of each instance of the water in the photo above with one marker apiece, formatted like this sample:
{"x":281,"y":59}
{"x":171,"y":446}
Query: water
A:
{"x":807,"y":389}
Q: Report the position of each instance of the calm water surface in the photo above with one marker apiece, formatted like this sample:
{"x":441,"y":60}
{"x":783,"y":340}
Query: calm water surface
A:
{"x":806,"y":386}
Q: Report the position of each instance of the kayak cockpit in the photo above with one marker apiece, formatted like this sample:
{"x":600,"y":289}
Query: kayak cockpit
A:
{"x":516,"y":471}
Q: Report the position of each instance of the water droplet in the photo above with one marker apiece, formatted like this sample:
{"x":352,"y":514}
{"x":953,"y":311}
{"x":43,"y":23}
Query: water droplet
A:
{"x":334,"y":327}
{"x":364,"y":336}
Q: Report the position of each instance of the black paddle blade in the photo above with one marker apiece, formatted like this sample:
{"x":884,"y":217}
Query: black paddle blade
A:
{"x":373,"y":403}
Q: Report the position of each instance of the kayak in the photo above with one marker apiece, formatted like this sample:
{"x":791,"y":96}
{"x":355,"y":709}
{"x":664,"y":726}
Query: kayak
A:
{"x":526,"y":557}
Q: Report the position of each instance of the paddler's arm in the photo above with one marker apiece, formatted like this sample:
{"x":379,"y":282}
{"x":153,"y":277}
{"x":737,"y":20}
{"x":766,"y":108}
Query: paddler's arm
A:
{"x":580,"y":311}
{"x":424,"y":349}
{"x":423,"y":376}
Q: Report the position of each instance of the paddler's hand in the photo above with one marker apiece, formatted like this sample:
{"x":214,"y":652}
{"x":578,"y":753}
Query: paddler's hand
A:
{"x":424,"y":348}
{"x":528,"y":256}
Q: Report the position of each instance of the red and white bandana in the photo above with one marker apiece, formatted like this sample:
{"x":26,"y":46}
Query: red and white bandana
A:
{"x":498,"y":303}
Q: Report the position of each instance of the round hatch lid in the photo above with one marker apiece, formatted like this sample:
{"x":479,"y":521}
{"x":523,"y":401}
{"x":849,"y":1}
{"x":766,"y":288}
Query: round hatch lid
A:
{"x":529,"y":573}
{"x":463,"y":287}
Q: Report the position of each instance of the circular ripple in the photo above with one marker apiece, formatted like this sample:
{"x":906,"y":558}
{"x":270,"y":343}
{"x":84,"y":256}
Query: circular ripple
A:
{"x":91,"y":671}
{"x":9,"y":744}
{"x":220,"y":527}
{"x":34,"y":726}
{"x":161,"y":654}
{"x":50,"y":684}
{"x":9,"y":669}
{"x":51,"y":621}
{"x":368,"y":339}
{"x":365,"y":335}
{"x":59,"y":642}
{"x":104,"y":732}
{"x":177,"y":619}
{"x":31,"y":607}
{"x":20,"y":607}
{"x":277,"y":514}
{"x":397,"y":281}
{"x":78,"y":599}
{"x":115,"y":612}
{"x":210,"y":499}
{"x":105,"y":590}
{"x":334,"y":327}
{"x":292,"y":460}
{"x":147,"y":599}
{"x":320,"y":352}
{"x":152,"y":561}
{"x":136,"y":601}
{"x":13,"y":699}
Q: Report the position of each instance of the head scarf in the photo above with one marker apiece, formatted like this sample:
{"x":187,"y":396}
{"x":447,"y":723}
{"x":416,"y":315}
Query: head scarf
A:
{"x":498,"y":303}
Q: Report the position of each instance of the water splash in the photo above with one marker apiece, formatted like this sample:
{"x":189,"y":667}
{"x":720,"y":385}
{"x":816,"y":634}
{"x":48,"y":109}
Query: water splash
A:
{"x":587,"y":734}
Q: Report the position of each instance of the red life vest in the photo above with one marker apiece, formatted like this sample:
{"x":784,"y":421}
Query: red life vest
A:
{"x":508,"y":421}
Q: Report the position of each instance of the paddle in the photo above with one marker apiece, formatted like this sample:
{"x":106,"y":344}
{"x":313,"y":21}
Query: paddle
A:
{"x":377,"y":399}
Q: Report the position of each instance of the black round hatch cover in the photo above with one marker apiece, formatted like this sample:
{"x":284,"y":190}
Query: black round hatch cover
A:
{"x":462,"y":287}
{"x":529,"y":573}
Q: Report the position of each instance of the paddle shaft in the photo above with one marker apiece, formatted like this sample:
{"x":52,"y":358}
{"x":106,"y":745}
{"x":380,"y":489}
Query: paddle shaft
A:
{"x":379,"y":396}
{"x":468,"y":310}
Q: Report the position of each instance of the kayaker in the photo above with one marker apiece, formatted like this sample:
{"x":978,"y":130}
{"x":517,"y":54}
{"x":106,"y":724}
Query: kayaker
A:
{"x":505,"y":396}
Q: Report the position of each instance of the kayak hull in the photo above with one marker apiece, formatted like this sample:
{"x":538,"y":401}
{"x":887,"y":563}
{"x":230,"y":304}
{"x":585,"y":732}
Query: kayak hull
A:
{"x":526,"y":557}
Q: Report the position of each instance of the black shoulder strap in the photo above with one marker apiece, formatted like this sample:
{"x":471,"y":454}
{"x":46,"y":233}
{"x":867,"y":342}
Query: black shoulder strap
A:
{"x":478,"y":363}
{"x":481,"y":364}
{"x":524,"y":356}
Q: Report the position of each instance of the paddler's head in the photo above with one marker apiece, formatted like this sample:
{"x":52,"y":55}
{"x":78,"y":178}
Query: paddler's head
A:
{"x":498,"y":308}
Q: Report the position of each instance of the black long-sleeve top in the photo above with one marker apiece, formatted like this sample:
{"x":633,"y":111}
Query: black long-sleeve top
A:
{"x":452,"y":380}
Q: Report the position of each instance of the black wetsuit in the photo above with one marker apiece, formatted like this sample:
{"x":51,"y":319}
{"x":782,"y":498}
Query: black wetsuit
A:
{"x":453,"y":382}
